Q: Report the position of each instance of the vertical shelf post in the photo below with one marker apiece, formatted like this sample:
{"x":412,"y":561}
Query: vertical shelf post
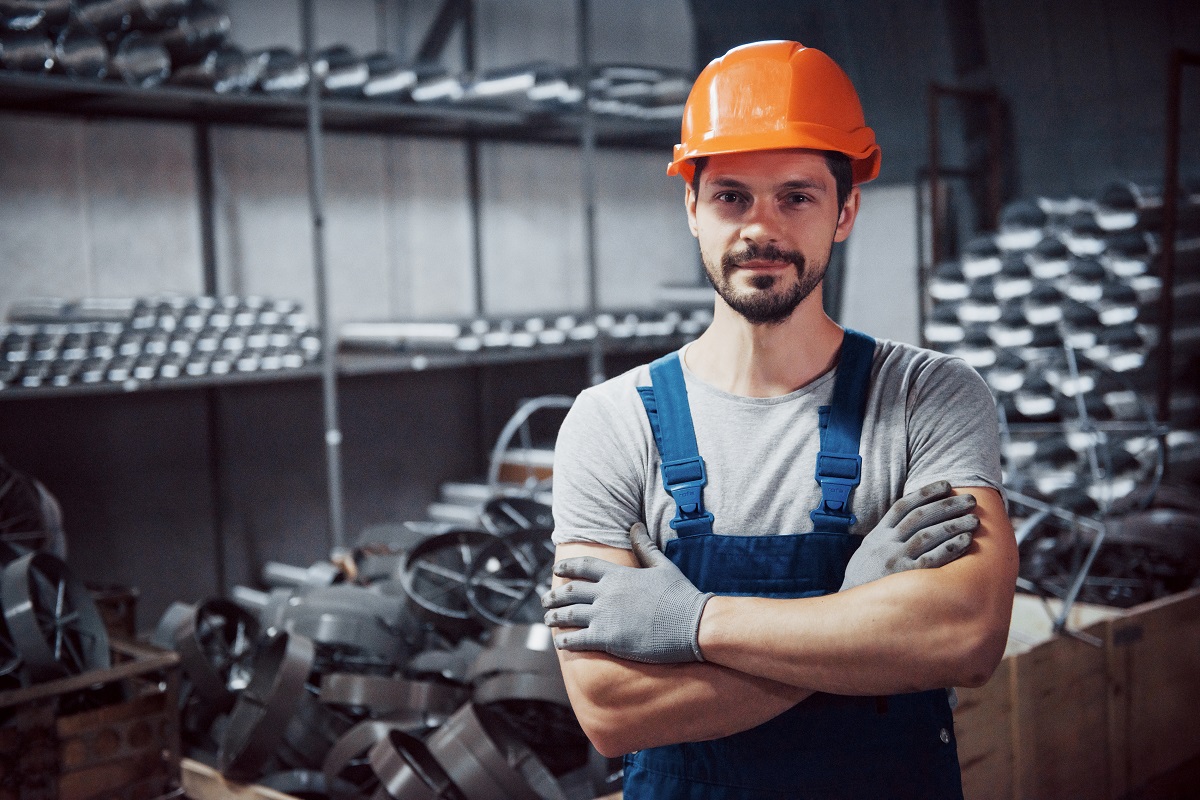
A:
{"x":587,"y":148}
{"x":205,"y":198}
{"x":316,"y":201}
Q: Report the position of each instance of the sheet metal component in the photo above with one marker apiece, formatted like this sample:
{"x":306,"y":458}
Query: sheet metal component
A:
{"x":352,"y":618}
{"x":175,"y":615}
{"x":104,"y":17}
{"x":517,"y":648}
{"x":30,"y":517}
{"x":435,"y":577}
{"x":319,"y":574}
{"x":26,"y":51}
{"x":26,"y":15}
{"x":305,"y":784}
{"x":406,"y":770}
{"x":509,"y":576}
{"x":214,"y":645}
{"x":504,"y":515}
{"x":451,"y":664}
{"x":141,"y":61}
{"x":415,"y":703}
{"x":204,"y":28}
{"x":52,"y":618}
{"x":483,"y":768}
{"x":311,"y":732}
{"x":81,"y":53}
{"x":256,"y":725}
{"x":347,"y":767}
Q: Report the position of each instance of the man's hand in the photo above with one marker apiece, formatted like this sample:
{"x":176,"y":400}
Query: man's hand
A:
{"x":927,"y":528}
{"x":649,"y":614}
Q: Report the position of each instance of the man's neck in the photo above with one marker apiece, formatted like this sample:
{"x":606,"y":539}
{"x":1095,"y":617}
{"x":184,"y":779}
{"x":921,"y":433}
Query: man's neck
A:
{"x":766,"y":360}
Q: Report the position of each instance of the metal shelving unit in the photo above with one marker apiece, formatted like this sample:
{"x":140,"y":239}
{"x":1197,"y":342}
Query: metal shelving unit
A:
{"x":317,"y":115}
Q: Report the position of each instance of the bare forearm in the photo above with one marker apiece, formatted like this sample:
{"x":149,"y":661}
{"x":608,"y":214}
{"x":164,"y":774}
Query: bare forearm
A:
{"x":625,"y":706}
{"x":911,"y":631}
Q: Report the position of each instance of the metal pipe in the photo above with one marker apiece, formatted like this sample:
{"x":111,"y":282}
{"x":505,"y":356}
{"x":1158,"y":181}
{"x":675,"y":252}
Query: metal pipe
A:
{"x":316,"y":198}
{"x":935,"y":210}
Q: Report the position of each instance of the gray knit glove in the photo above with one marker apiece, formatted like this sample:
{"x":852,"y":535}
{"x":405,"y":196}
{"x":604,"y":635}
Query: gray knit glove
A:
{"x":928,"y":528}
{"x":649,"y":614}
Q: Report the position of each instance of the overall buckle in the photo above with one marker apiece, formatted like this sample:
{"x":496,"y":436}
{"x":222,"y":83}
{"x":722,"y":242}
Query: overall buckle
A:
{"x":684,"y":479}
{"x":838,"y":474}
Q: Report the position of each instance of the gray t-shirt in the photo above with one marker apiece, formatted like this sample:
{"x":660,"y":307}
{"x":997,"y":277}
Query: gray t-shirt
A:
{"x":929,"y":417}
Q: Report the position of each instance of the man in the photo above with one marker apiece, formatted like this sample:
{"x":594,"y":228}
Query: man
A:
{"x":795,"y":638}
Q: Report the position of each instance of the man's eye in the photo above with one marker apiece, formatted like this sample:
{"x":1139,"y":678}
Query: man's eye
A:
{"x":728,"y":197}
{"x":798,"y":199}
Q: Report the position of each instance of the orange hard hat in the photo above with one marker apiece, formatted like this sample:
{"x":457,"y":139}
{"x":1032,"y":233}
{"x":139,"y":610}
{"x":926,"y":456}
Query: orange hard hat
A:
{"x":772,"y":96}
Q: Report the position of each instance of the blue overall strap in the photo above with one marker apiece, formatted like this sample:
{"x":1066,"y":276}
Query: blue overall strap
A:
{"x":683,"y":473}
{"x":839,"y":465}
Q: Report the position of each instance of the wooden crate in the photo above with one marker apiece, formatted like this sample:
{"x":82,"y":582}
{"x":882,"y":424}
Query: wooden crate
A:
{"x":1071,"y":718}
{"x":105,"y":734}
{"x":1154,"y":692}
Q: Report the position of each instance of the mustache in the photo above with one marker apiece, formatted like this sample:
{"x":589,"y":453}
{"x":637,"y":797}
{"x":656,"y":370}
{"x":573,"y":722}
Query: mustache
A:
{"x":764,"y":252}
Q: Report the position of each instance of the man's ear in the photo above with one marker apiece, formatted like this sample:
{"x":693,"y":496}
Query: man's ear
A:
{"x":847,"y":216}
{"x":689,"y":203}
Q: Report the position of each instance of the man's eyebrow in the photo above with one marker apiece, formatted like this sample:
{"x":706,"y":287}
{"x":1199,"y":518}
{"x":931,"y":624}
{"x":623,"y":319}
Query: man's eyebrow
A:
{"x":789,"y":186}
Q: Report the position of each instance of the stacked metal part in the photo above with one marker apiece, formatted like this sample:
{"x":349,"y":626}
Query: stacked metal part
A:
{"x":51,"y":627}
{"x":491,"y":333}
{"x":1058,"y":312}
{"x":140,"y":42}
{"x":186,"y":42}
{"x":416,"y":667}
{"x":56,"y":342}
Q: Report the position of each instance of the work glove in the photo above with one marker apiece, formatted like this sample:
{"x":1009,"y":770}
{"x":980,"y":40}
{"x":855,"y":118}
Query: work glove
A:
{"x":649,"y":614}
{"x":927,"y":528}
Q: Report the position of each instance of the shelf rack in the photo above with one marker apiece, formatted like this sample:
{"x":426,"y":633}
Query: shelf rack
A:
{"x":318,"y":115}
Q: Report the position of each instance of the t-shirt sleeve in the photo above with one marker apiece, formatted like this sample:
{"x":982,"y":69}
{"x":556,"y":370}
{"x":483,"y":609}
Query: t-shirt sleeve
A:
{"x":954,"y":431}
{"x":598,"y":469}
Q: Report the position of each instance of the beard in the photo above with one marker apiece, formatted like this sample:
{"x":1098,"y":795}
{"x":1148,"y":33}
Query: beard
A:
{"x":765,"y":304}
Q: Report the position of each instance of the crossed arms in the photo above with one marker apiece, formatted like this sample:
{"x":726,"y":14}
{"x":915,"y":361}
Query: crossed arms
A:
{"x":911,"y":631}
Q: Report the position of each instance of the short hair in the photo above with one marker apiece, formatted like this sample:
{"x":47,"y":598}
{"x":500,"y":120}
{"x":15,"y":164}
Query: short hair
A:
{"x":839,"y":166}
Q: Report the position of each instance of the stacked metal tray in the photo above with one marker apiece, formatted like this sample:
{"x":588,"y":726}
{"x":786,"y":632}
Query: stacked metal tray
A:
{"x":130,"y":341}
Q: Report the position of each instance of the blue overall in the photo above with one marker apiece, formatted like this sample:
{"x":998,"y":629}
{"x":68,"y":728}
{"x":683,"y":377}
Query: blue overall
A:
{"x":828,"y":746}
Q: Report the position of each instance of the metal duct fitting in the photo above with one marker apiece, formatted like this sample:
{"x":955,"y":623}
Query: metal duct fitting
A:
{"x":214,"y":645}
{"x":509,"y":575}
{"x":435,"y":577}
{"x":406,"y":770}
{"x":488,"y":764}
{"x":141,"y":61}
{"x":311,"y":733}
{"x":303,"y":783}
{"x":317,"y":575}
{"x":415,"y":704}
{"x":517,"y":649}
{"x":347,"y":767}
{"x":81,"y":54}
{"x":362,"y":624}
{"x":52,"y":618}
{"x":256,"y":725}
{"x":505,"y":515}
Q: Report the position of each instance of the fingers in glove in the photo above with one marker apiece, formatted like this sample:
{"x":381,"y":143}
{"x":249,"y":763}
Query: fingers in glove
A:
{"x":946,"y":552}
{"x":577,"y":616}
{"x":579,"y":640}
{"x":926,"y":494}
{"x":931,"y":537}
{"x":935,"y":513}
{"x":587,"y":568}
{"x":647,"y":552}
{"x":570,"y":593}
